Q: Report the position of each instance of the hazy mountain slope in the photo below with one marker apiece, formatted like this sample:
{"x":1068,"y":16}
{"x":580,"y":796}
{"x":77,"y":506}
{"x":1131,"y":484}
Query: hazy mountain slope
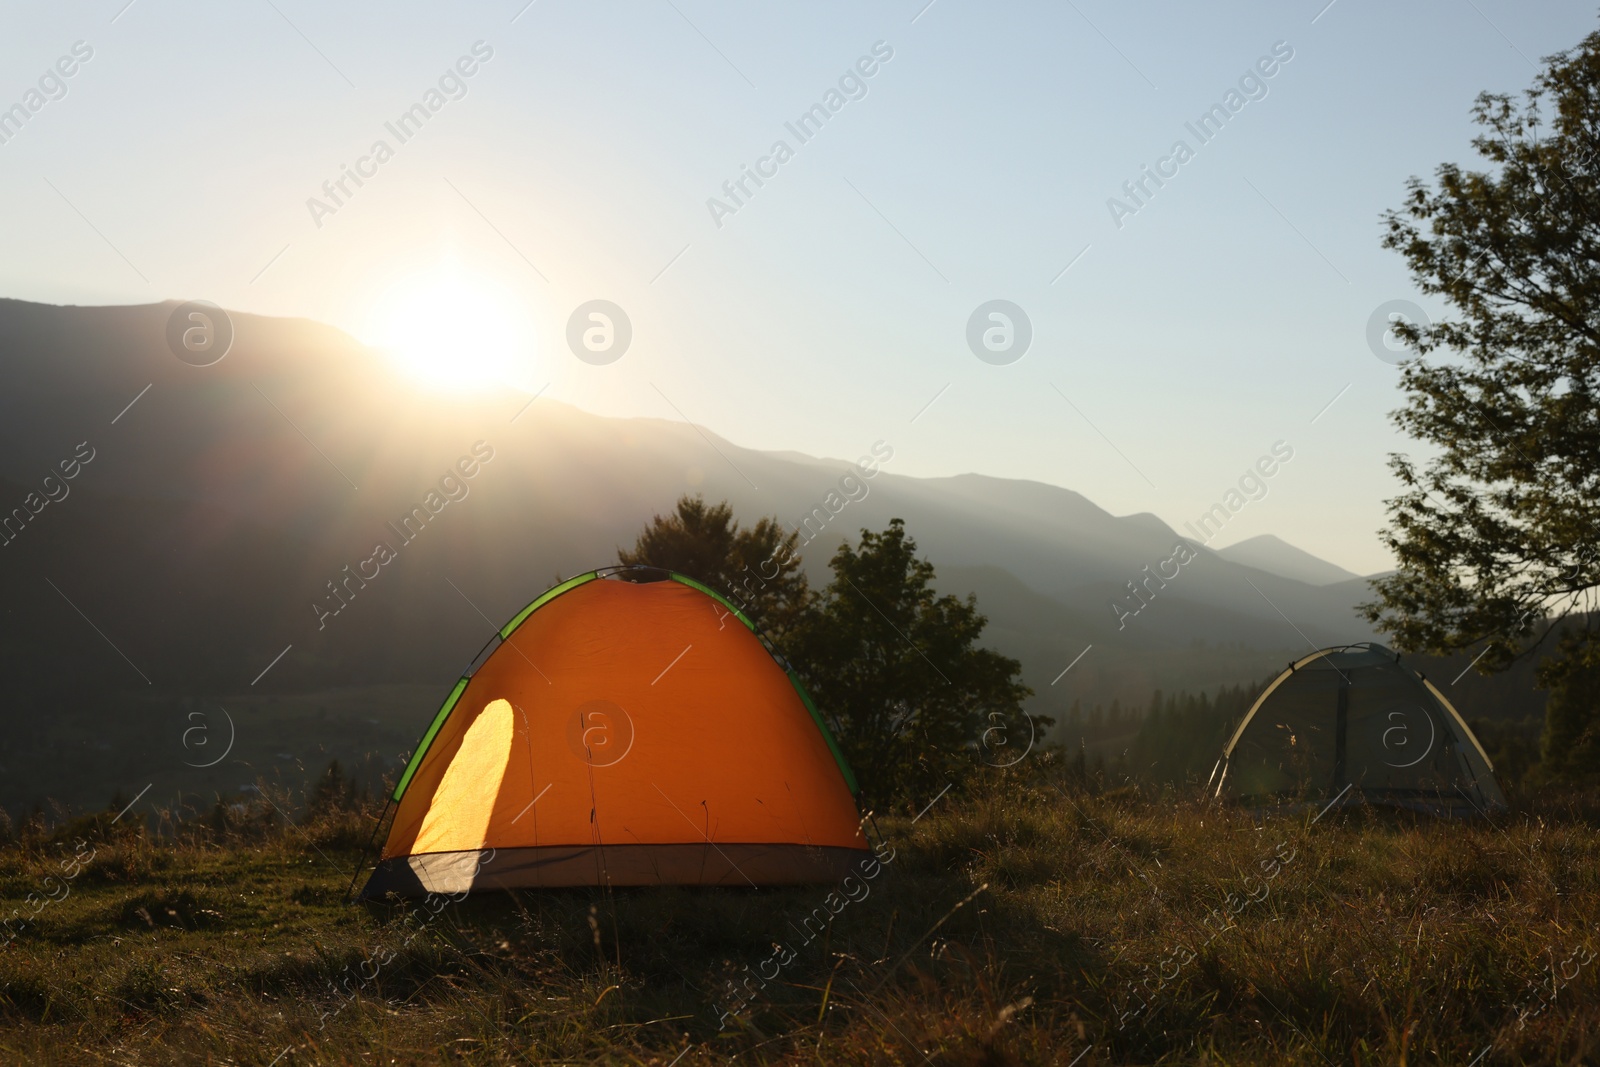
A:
{"x":1277,"y":556}
{"x":221,"y":506}
{"x":1047,"y":637}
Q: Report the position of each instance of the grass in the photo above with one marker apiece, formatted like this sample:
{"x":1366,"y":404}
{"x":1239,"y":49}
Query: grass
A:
{"x":70,"y":757}
{"x":1111,"y":928}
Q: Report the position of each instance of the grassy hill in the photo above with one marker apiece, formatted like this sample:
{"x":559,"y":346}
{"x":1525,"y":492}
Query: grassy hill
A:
{"x":1035,"y":922}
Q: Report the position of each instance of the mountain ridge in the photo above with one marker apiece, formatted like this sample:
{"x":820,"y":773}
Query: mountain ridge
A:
{"x":204,"y":540}
{"x":1271,"y":553}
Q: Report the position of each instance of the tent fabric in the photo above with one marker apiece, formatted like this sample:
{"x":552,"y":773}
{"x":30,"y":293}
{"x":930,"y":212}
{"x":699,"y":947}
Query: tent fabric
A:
{"x":557,"y":866}
{"x":1353,"y":724}
{"x":623,"y":732}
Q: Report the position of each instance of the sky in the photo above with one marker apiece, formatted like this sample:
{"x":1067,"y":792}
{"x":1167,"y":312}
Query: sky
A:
{"x":1176,"y":338}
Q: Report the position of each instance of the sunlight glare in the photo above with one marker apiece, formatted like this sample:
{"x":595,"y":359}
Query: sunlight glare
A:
{"x":455,"y":330}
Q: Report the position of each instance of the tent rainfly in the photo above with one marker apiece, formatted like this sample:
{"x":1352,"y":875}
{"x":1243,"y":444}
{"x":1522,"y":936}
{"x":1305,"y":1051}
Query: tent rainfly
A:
{"x":628,"y":727}
{"x":1353,"y":724}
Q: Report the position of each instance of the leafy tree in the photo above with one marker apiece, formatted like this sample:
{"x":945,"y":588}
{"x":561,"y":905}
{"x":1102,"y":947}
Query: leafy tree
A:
{"x":899,"y":669}
{"x":1495,"y":535}
{"x":758,"y":568}
{"x":1179,"y":742}
{"x":1570,"y":747}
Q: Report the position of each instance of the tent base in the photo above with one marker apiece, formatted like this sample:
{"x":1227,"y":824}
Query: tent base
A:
{"x":563,"y":866}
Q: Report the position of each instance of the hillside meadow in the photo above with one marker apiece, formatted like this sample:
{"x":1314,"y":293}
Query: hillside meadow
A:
{"x":1032,"y":920}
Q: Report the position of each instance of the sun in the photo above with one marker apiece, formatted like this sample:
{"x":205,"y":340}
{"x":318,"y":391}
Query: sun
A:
{"x":455,"y":330}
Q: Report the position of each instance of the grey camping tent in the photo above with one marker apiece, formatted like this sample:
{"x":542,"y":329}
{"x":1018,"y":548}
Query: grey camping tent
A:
{"x":1353,"y":724}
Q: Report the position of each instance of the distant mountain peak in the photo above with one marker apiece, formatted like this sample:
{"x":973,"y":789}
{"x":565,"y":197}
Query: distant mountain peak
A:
{"x":1151,"y":522}
{"x":1274,"y":555}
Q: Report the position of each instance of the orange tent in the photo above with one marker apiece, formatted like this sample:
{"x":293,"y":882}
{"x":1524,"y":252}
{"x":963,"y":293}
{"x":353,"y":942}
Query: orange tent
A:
{"x":628,"y":728}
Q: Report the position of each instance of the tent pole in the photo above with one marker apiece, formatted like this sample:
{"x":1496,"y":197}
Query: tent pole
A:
{"x":361,"y":861}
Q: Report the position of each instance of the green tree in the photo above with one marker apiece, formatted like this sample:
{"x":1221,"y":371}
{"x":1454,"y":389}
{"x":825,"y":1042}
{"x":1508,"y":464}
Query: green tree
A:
{"x":1570,"y":748}
{"x":1495,"y":534}
{"x":757,"y":568}
{"x":898,"y":668}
